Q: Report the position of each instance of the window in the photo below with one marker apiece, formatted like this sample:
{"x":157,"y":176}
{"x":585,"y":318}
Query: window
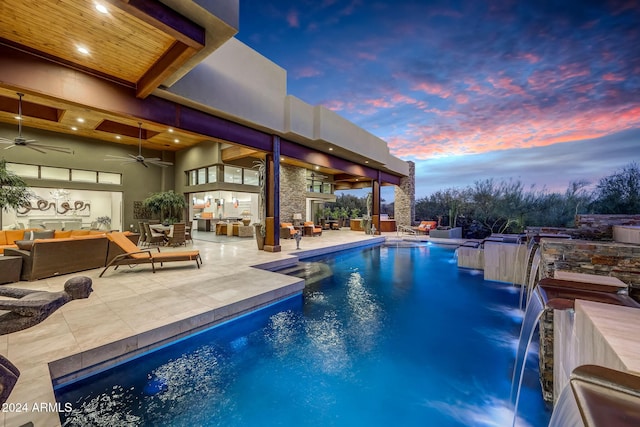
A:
{"x":202,"y":176}
{"x":212,"y":174}
{"x":64,"y":174}
{"x":83,"y":176}
{"x":251,"y":177}
{"x":233,"y":174}
{"x":25,"y":171}
{"x":109,"y":178}
{"x":193,"y":177}
{"x":58,"y":174}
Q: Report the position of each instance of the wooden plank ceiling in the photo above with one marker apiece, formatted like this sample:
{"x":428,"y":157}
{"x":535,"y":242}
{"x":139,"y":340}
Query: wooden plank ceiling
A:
{"x":136,"y":43}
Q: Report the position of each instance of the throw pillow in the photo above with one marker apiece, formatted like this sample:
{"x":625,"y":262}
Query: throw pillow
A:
{"x":45,"y":234}
{"x":25,"y":245}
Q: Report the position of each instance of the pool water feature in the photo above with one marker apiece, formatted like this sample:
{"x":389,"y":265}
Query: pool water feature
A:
{"x":395,"y":336}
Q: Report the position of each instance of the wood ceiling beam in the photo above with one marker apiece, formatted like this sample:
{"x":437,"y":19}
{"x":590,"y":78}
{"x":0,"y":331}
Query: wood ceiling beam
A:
{"x":237,"y":152}
{"x":165,"y":19}
{"x":168,"y":64}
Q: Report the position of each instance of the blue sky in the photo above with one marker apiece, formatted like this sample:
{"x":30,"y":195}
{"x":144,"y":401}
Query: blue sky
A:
{"x":546,"y":92}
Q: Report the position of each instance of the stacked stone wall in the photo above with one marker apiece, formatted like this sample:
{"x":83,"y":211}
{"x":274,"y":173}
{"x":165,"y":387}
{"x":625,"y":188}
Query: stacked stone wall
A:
{"x":621,"y":260}
{"x":293,"y":183}
{"x":405,"y":198}
{"x":600,"y":227}
{"x":590,"y":227}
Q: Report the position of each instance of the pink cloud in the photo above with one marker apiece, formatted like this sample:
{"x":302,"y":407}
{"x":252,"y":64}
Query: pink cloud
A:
{"x":530,"y":128}
{"x":367,"y":56}
{"x":570,"y":71}
{"x":530,"y":57}
{"x":293,"y":19}
{"x":611,"y":77}
{"x":306,"y":72}
{"x":432,"y":89}
{"x":506,"y":84}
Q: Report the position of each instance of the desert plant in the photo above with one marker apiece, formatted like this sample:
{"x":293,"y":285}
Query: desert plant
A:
{"x":261,"y":166}
{"x":14,"y":192}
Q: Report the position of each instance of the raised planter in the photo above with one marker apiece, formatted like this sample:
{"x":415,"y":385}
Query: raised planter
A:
{"x":452,"y":233}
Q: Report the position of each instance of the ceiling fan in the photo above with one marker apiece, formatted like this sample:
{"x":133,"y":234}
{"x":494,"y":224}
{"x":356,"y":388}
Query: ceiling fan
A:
{"x":20,"y":141}
{"x":130,"y":158}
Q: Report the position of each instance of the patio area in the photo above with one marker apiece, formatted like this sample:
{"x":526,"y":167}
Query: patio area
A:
{"x":133,"y":310}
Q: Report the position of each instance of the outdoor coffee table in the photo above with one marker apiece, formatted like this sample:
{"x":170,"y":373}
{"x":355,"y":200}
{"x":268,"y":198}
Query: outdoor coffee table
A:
{"x":10,"y":269}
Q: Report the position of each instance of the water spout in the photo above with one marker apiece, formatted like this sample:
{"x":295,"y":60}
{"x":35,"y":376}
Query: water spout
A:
{"x":535,"y":308}
{"x":598,"y":396}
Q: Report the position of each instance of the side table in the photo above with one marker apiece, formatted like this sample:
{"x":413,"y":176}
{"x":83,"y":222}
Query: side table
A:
{"x":10,"y":269}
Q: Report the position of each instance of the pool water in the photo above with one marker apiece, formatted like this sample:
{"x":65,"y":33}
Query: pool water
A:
{"x":395,"y":337}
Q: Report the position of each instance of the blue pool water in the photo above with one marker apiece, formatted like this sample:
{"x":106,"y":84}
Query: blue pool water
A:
{"x":395,"y":337}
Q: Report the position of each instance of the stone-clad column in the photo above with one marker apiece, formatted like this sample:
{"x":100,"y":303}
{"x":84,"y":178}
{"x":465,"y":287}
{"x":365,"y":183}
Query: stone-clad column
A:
{"x":405,"y":198}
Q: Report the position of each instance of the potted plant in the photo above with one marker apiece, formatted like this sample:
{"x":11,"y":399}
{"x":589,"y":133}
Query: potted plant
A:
{"x":167,"y":204}
{"x":104,"y":222}
{"x":14,"y":192}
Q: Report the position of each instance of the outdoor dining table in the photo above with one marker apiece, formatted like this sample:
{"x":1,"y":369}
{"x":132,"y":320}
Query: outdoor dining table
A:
{"x":166,"y":229}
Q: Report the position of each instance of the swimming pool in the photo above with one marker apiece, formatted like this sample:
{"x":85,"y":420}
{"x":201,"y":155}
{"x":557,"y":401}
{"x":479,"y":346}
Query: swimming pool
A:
{"x":394,"y":336}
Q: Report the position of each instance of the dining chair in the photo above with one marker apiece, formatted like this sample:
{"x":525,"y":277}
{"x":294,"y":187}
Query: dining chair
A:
{"x":153,"y":237}
{"x":177,"y":234}
{"x":188,"y":234}
{"x":143,"y":234}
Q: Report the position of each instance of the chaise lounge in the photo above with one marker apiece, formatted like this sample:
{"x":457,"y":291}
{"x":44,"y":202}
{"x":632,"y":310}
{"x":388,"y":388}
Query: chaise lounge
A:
{"x":425,"y":227}
{"x":133,"y":255}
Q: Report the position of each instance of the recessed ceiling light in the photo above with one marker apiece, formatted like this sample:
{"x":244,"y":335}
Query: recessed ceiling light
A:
{"x":366,"y":161}
{"x":281,"y":159}
{"x":330,"y":148}
{"x":74,"y":128}
{"x":170,"y":130}
{"x":176,"y":140}
{"x":317,"y":167}
{"x":118,"y":137}
{"x":80,"y":120}
{"x":18,"y":118}
{"x":83,"y":50}
{"x":101,"y":8}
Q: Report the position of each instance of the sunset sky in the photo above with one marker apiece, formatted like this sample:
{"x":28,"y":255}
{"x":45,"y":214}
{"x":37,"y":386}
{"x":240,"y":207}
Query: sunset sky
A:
{"x":542,"y":91}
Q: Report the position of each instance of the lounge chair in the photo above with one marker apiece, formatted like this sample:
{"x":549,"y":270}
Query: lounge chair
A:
{"x":134,"y":255}
{"x":310,"y":229}
{"x":425,"y":227}
{"x":287,"y":230}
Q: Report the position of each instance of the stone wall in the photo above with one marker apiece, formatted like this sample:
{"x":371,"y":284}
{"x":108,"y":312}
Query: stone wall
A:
{"x":600,"y":227}
{"x":621,"y":260}
{"x":405,"y":198}
{"x":293,"y":182}
{"x":590,"y":227}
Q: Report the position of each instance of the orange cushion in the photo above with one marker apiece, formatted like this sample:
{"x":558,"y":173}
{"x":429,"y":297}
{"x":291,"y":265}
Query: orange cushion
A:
{"x":3,"y":237}
{"x":96,"y":232}
{"x":59,"y":234}
{"x":307,"y":223}
{"x":13,"y":235}
{"x":79,"y":232}
{"x":286,"y":225}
